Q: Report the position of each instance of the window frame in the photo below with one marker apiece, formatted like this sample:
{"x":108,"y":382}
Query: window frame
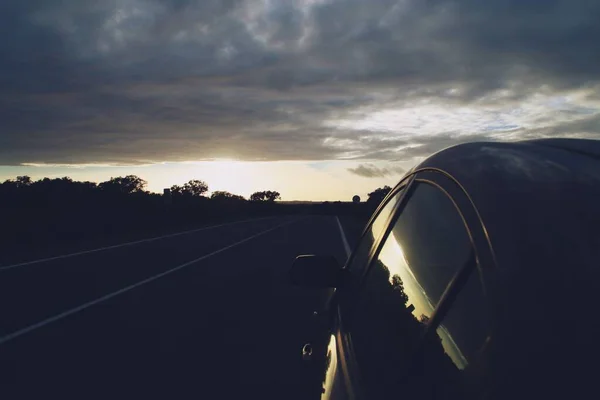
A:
{"x":462,"y":274}
{"x":483,"y":260}
{"x":400,"y":189}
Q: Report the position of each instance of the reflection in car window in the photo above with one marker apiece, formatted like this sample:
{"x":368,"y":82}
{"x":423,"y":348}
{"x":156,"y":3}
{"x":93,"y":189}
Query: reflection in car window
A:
{"x":361,"y":254}
{"x":464,"y":329}
{"x":426,"y":248}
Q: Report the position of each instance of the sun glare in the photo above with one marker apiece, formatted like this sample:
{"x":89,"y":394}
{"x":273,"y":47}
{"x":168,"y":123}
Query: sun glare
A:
{"x":237,"y":177}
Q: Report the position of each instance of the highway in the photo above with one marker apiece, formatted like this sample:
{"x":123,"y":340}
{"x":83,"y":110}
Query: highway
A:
{"x":208,"y":313}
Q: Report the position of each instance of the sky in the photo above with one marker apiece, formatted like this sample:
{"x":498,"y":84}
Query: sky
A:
{"x":318,"y":99}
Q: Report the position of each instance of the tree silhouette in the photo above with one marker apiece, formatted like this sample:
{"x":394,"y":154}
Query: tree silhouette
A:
{"x":273,"y":195}
{"x":266,"y":195}
{"x":257,"y":196}
{"x":125,"y":185}
{"x":49,"y":212}
{"x":58,"y":189}
{"x":23,"y":181}
{"x":193,"y":188}
{"x":222,"y":195}
{"x":19,"y":182}
{"x":176,"y":190}
{"x":377,"y":196}
{"x":398,"y":287}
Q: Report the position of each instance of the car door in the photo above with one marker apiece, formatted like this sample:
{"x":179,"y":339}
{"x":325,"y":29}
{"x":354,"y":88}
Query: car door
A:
{"x":395,"y":330}
{"x":330,"y":384}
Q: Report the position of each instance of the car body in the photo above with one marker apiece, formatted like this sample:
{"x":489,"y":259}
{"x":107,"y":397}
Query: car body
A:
{"x":477,"y":277}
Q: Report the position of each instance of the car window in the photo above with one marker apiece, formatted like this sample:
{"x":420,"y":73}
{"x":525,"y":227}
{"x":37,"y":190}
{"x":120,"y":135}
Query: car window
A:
{"x":428,"y":245}
{"x":357,"y":264}
{"x":446,"y":366}
{"x":465,"y":326}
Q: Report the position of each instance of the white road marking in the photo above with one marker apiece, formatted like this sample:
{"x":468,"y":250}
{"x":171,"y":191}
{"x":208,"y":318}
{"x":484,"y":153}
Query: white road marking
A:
{"x":79,"y":253}
{"x":72,"y":311}
{"x":343,"y":235}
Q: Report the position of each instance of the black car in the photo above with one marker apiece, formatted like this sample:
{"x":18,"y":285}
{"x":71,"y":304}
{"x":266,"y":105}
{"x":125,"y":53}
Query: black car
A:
{"x":477,"y":277}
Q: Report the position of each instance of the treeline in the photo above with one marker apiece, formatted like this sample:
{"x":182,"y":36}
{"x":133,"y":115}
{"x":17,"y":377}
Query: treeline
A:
{"x":49,"y":213}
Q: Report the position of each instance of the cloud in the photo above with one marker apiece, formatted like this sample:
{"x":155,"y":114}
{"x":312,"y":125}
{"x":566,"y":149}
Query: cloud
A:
{"x":137,"y":81}
{"x":372,"y":171}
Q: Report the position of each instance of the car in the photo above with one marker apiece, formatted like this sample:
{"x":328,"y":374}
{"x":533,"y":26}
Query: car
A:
{"x":478,"y":277}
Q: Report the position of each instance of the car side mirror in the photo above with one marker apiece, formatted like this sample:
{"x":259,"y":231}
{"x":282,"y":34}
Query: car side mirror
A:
{"x":317,"y":271}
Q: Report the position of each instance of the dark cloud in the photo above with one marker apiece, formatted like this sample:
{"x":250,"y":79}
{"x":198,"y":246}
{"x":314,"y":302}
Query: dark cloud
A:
{"x":588,"y":128}
{"x":131,"y":81}
{"x":372,"y":171}
{"x":480,"y":46}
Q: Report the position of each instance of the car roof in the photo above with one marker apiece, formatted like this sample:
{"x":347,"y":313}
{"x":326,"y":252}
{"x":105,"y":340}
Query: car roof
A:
{"x":590,"y":148}
{"x":531,"y":193}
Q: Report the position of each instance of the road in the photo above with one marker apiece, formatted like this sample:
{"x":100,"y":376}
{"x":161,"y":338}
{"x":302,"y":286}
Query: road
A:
{"x":203,"y":314}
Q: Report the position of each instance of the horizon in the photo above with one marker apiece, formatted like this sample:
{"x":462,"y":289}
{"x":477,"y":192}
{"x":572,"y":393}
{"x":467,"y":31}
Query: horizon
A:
{"x":236,"y":177}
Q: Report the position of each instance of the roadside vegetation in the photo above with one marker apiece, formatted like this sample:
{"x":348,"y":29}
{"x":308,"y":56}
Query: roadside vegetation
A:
{"x":59,"y":212}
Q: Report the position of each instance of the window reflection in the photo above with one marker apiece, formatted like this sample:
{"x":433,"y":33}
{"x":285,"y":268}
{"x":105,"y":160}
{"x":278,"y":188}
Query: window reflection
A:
{"x":361,"y":255}
{"x":464,"y":329}
{"x":393,"y":259}
{"x":451,"y":348}
{"x":426,"y":248}
{"x":380,"y":222}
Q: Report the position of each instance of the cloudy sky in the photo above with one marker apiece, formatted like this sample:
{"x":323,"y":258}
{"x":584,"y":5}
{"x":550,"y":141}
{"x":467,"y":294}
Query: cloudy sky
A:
{"x":319,"y":99}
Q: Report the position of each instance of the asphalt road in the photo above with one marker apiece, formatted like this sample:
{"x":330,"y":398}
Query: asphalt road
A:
{"x":203,"y":314}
